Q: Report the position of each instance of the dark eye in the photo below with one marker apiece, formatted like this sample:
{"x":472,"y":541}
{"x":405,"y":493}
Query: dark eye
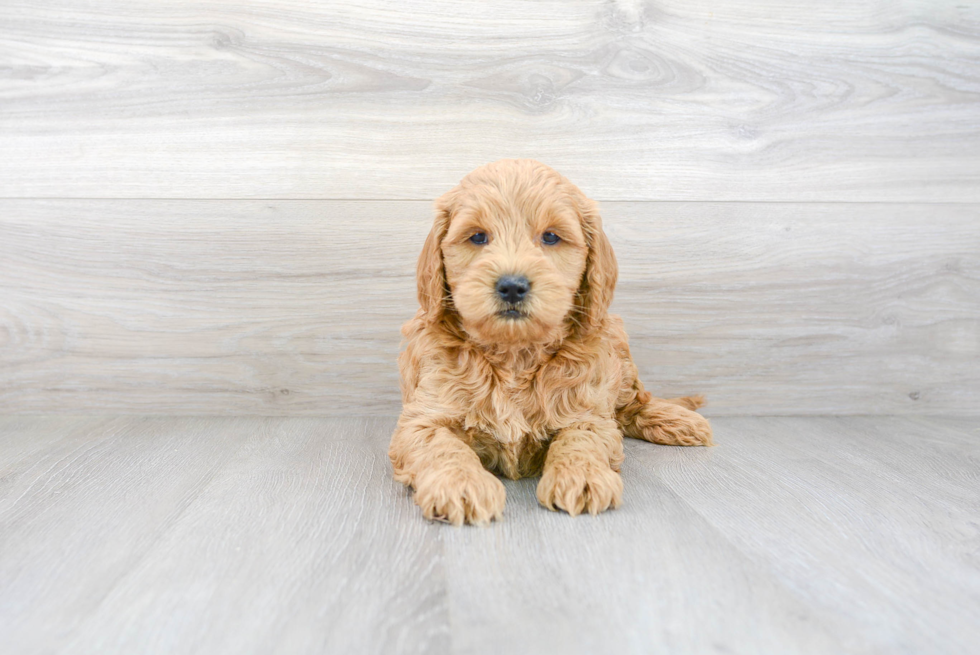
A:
{"x":480,"y":238}
{"x":550,"y":238}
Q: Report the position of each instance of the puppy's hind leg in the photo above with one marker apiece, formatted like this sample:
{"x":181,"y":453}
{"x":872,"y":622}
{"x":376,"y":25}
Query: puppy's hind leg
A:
{"x":691,"y":402}
{"x":671,"y":422}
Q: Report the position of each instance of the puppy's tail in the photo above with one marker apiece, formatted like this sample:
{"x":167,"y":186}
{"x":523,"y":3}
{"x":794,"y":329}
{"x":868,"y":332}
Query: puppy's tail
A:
{"x":691,"y":402}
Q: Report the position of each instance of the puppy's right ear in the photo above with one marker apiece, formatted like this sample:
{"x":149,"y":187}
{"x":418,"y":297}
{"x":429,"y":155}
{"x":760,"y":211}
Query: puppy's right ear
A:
{"x":431,"y":275}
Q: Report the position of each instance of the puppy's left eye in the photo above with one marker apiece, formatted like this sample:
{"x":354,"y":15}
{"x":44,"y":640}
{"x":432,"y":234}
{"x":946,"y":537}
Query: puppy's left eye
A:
{"x":550,"y":238}
{"x":480,"y":239}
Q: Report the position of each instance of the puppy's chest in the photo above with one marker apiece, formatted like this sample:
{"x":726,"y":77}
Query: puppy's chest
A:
{"x":510,"y":421}
{"x":508,"y":414}
{"x":509,"y":430}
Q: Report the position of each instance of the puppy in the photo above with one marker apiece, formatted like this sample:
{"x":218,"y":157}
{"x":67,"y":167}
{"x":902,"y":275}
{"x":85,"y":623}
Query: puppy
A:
{"x":512,"y":363}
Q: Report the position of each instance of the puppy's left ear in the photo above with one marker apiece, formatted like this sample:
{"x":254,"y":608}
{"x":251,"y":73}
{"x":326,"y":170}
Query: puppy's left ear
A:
{"x":601,"y":271}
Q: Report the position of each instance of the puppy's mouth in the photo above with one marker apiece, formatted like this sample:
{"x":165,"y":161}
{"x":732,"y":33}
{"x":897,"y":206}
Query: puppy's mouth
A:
{"x":512,"y":314}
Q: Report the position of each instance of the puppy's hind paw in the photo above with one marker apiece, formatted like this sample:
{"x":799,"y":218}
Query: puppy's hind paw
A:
{"x":689,"y":430}
{"x":671,"y":425}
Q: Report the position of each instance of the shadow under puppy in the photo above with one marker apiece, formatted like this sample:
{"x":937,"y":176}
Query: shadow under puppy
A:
{"x":513,"y":364}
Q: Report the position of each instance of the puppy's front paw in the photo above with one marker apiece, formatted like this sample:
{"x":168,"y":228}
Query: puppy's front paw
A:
{"x":577,"y":487}
{"x":463,"y":495}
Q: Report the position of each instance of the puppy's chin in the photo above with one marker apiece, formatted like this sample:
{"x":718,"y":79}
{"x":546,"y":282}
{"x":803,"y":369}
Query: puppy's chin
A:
{"x":512,"y":327}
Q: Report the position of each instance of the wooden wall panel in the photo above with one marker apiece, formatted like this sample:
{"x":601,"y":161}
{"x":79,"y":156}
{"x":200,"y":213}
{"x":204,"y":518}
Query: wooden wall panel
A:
{"x":745,"y":100}
{"x":293,"y":307}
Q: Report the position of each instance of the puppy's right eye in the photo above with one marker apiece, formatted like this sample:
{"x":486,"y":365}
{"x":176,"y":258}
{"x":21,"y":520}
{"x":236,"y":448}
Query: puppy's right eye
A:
{"x":480,"y":238}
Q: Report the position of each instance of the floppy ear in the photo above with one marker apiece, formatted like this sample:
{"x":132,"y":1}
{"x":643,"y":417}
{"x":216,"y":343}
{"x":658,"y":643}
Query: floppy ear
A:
{"x":599,"y":280}
{"x":430,"y":274}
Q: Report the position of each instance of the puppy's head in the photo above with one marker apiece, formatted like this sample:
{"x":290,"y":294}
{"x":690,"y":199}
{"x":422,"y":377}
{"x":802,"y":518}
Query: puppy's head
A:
{"x":518,"y":256}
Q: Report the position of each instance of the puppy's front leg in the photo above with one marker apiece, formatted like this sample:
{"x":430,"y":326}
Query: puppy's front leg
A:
{"x":450,"y":482}
{"x":581,"y":471}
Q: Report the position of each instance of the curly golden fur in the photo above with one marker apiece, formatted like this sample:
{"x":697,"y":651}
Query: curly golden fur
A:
{"x":541,"y":383}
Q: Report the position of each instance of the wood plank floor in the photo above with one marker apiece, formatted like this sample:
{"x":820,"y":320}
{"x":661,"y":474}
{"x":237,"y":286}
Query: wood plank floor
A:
{"x":287,"y":535}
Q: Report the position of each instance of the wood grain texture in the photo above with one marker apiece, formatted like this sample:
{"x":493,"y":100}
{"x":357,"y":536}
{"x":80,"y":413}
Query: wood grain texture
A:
{"x":204,"y":535}
{"x":674,"y":100}
{"x":652,"y":576}
{"x":287,"y":535}
{"x":79,"y":515}
{"x":852,"y":513}
{"x":294,"y":307}
{"x":291,"y":537}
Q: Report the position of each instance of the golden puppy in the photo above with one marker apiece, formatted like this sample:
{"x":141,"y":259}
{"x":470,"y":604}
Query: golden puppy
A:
{"x":513,"y":364}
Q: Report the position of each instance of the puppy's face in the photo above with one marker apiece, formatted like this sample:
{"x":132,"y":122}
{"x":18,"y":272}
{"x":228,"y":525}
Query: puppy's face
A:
{"x":513,"y":264}
{"x":519,"y":252}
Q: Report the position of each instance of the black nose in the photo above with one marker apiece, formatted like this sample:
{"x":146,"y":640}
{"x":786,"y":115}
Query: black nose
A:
{"x":513,"y":288}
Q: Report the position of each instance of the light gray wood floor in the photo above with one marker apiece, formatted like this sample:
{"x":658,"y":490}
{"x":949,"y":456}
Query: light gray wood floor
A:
{"x":263,"y":535}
